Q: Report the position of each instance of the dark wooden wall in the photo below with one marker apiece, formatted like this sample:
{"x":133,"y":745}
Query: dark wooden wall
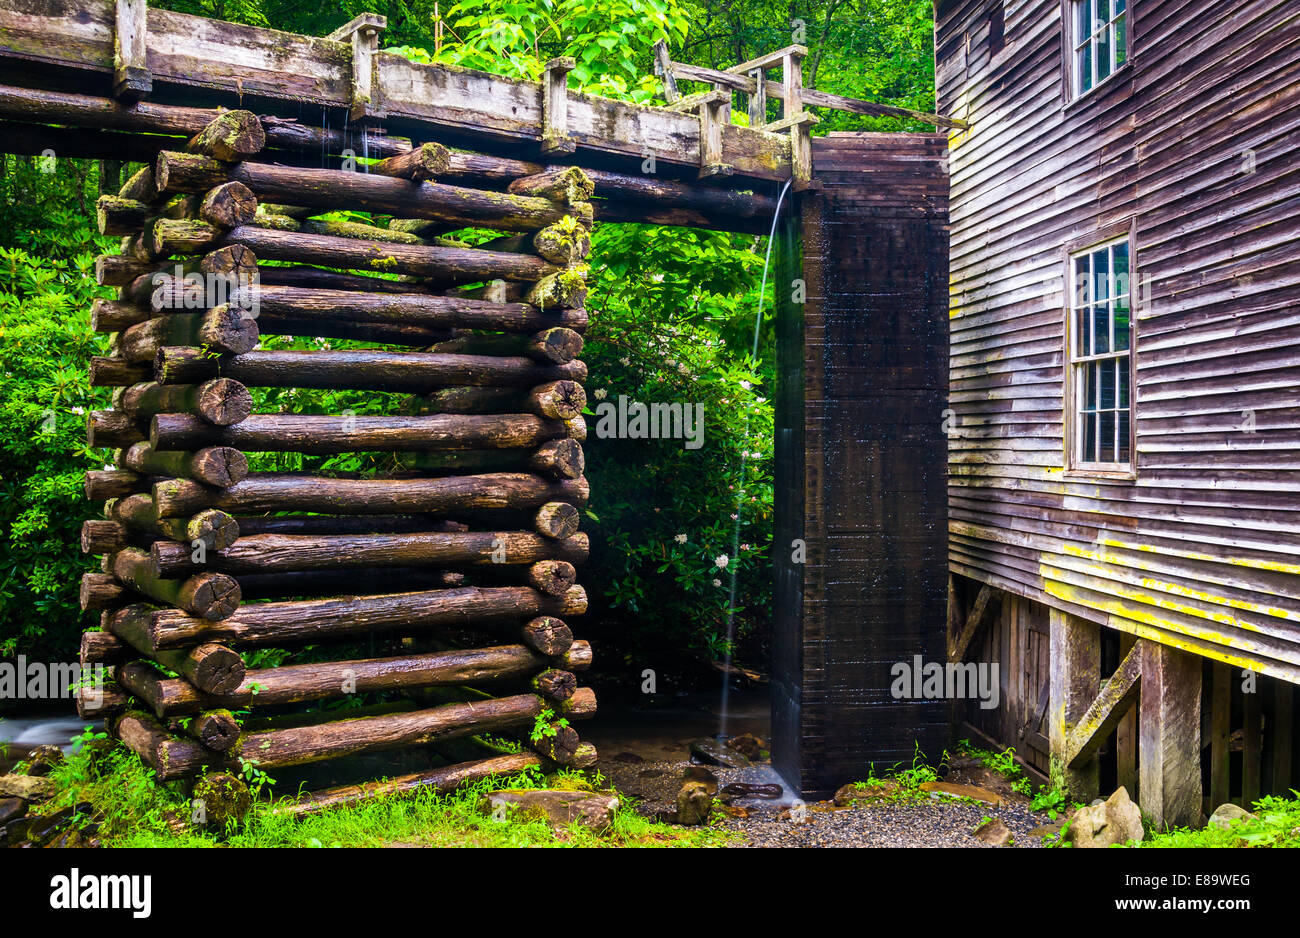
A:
{"x":1191,"y":147}
{"x":860,"y":462}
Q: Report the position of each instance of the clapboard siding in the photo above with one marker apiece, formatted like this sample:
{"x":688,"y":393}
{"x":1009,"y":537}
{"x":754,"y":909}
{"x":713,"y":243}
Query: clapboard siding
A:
{"x":1191,"y":145}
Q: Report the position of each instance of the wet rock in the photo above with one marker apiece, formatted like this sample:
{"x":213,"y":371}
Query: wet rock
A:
{"x":14,"y":834}
{"x":856,"y":793}
{"x":26,"y":787}
{"x":698,"y":773}
{"x":1116,"y":820}
{"x":11,"y":809}
{"x":1047,"y":830}
{"x":994,"y":833}
{"x":43,"y":758}
{"x":693,"y":803}
{"x":650,"y":773}
{"x":734,"y":811}
{"x":1226,"y":814}
{"x":748,"y":790}
{"x":715,"y":752}
{"x":559,"y":808}
{"x":628,"y":757}
{"x":43,"y":828}
{"x":955,"y":790}
{"x":748,"y":745}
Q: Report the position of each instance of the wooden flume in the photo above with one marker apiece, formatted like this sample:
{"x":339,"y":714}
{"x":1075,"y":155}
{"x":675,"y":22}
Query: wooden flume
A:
{"x":472,"y":541}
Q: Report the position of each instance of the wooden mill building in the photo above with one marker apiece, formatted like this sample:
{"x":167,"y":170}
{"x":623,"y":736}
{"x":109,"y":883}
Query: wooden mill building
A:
{"x":1124,"y":484}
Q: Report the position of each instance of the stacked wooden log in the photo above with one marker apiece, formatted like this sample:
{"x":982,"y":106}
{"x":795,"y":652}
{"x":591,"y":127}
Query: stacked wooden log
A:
{"x":462,"y":547}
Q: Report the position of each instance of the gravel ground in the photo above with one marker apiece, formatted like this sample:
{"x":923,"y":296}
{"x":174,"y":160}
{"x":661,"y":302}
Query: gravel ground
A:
{"x":933,"y":824}
{"x":938,"y":822}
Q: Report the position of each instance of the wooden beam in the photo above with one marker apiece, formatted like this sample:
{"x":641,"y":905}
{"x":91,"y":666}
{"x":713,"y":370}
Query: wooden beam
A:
{"x":1169,"y":726}
{"x":981,"y":614}
{"x":488,"y":113}
{"x":132,"y":80}
{"x":1113,"y":701}
{"x":770,"y":60}
{"x":1126,"y":736}
{"x":1075,"y":653}
{"x":663,"y":68}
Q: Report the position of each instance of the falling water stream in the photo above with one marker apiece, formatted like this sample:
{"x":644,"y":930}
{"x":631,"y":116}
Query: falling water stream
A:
{"x":734,"y":566}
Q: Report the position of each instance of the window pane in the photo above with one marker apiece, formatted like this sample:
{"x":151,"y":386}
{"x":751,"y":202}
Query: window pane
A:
{"x":1121,"y":325}
{"x":1122,"y":366}
{"x":1103,"y":13}
{"x":1100,"y":282}
{"x":1085,"y":67}
{"x":1100,"y":329}
{"x":1107,"y":400}
{"x":1084,"y":28}
{"x":1119,"y":261}
{"x":1122,"y":455}
{"x":1090,"y":386}
{"x":1121,"y":41}
{"x":1119,"y":6}
{"x":1080,"y":281}
{"x":1082,"y":333}
{"x":1103,"y":54}
{"x":1106,"y":436}
{"x":1088,"y":442}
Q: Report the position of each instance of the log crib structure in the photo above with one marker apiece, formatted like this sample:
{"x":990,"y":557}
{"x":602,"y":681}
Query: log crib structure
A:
{"x":464,"y":546}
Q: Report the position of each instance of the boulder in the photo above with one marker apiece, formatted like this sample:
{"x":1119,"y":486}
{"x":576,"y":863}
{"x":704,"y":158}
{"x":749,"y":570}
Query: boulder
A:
{"x":855,"y":793}
{"x":954,"y":790}
{"x":559,"y":808}
{"x":1225,"y":815}
{"x":994,"y":833}
{"x":26,"y":787}
{"x":715,"y":752}
{"x":698,"y":773}
{"x":1116,"y":820}
{"x":693,"y":803}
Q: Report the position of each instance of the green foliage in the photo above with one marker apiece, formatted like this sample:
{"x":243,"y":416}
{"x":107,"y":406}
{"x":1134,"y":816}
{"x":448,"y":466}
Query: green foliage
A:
{"x":1276,"y":824}
{"x":47,"y":251}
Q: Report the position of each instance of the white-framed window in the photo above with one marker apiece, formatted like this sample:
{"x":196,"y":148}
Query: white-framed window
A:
{"x":1100,"y":358}
{"x":1100,"y":41}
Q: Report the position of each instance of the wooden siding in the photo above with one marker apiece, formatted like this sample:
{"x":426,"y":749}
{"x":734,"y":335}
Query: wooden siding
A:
{"x":1191,"y":146}
{"x":860,"y":463}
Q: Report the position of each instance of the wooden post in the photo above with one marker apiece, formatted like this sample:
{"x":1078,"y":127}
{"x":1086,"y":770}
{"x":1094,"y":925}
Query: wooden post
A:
{"x":1076,"y":677}
{"x":715,"y":109}
{"x":1126,"y":736}
{"x":1283,"y":727}
{"x":664,"y":69}
{"x":1220,"y":730}
{"x":132,"y":80}
{"x":363,"y":34}
{"x":1252,"y":749}
{"x":758,"y":100}
{"x":1169,"y":727}
{"x":555,"y":106}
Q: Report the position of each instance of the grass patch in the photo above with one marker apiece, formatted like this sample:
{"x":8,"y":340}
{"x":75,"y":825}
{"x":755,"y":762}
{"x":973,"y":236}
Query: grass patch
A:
{"x":1277,"y":824}
{"x":138,"y":811}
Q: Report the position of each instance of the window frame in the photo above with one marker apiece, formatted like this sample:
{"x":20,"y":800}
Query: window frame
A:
{"x":1071,"y":42}
{"x":1070,"y":409}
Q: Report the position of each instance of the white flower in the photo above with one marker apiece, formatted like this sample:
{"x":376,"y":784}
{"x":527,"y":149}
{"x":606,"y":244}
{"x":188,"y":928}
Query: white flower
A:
{"x":734,"y":516}
{"x":680,"y":538}
{"x":721,"y":561}
{"x":746,"y":385}
{"x":625,"y":362}
{"x":601,"y":394}
{"x":78,"y":410}
{"x":683,"y":369}
{"x":717,"y":582}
